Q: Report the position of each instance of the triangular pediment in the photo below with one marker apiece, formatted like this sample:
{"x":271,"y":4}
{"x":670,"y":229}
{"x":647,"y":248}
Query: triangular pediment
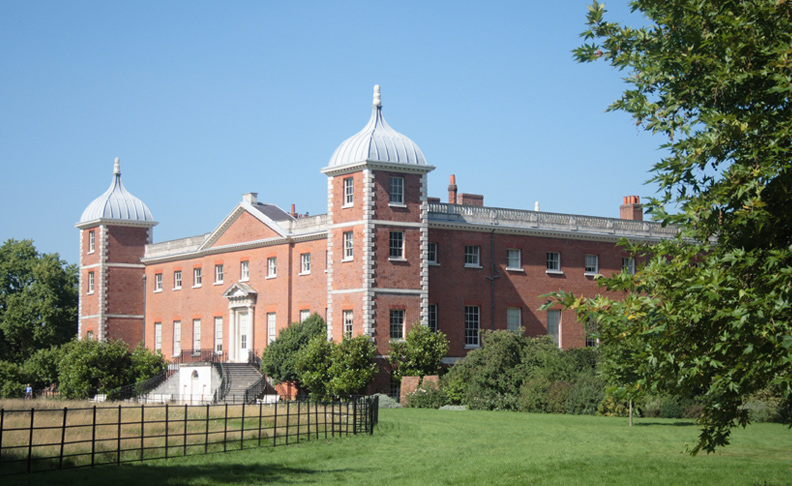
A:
{"x":243,"y":225}
{"x":240,"y":290}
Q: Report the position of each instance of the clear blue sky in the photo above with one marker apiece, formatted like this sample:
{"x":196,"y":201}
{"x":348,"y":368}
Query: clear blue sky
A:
{"x":204,"y":101}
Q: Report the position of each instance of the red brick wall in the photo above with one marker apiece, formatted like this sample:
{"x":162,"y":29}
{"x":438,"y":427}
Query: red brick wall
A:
{"x":352,"y":213}
{"x":394,"y":273}
{"x":412,"y":197}
{"x":245,"y":228}
{"x":125,"y":244}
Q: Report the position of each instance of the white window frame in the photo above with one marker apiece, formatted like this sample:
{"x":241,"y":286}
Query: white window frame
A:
{"x":591,"y":265}
{"x":431,"y":317}
{"x":197,"y":277}
{"x":196,"y":336}
{"x":348,"y":321}
{"x":244,"y":270}
{"x":348,"y":246}
{"x":158,"y":336}
{"x":553,"y":262}
{"x":218,"y":335}
{"x":396,"y":191}
{"x":177,"y":279}
{"x":431,"y":254}
{"x":91,"y":241}
{"x":472,"y":326}
{"x":304,"y":314}
{"x":628,"y":265}
{"x":157,"y":282}
{"x":218,"y":274}
{"x":591,"y":328}
{"x":305,"y":263}
{"x":397,"y":324}
{"x":176,"y":338}
{"x":513,"y":319}
{"x":91,"y":283}
{"x":396,"y":245}
{"x":514,"y":260}
{"x":554,"y":325}
{"x":272,"y":322}
{"x":473,"y":256}
{"x":272,"y":267}
{"x":349,"y":192}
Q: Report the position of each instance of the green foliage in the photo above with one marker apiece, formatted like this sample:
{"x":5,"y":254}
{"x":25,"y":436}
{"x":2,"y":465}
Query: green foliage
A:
{"x":428,"y":395}
{"x":713,"y":79}
{"x":88,"y":367}
{"x":312,"y":366}
{"x":279,"y":357}
{"x":420,"y":354}
{"x":328,"y":370}
{"x":11,"y":384}
{"x":146,"y":363}
{"x":38,"y":300}
{"x":352,"y":366}
{"x":41,"y":369}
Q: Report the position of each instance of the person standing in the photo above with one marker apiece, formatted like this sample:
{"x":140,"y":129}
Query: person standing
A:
{"x":28,"y":391}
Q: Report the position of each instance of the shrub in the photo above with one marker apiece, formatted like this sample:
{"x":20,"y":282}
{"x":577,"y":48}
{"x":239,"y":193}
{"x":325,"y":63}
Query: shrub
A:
{"x":611,"y":406}
{"x":11,"y":385}
{"x":557,"y":394}
{"x":534,"y":395}
{"x":420,"y":354}
{"x":671,"y":408}
{"x":428,"y":396}
{"x":386,"y":402}
{"x":279,"y":357}
{"x":586,"y":394}
{"x":311,"y":364}
{"x":88,"y":367}
{"x":352,"y":366}
{"x":765,"y":406}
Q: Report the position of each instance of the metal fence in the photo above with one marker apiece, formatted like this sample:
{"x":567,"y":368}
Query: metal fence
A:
{"x":40,"y":440}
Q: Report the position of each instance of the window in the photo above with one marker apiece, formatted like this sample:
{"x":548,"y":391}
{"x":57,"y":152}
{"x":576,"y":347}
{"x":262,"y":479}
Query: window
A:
{"x":628,"y":265}
{"x":513,"y":260}
{"x":218,"y":274}
{"x":158,"y":336}
{"x":431,"y":254}
{"x":158,"y":282}
{"x":592,"y":331}
{"x":177,"y":279}
{"x":349,"y":191}
{"x":176,"y":338}
{"x":305,"y":263}
{"x":472,"y":254}
{"x":396,"y":324}
{"x":554,"y":325}
{"x":347,"y":315}
{"x":197,"y":277}
{"x":592,"y":264}
{"x":271,"y":322}
{"x":347,"y":245}
{"x":218,"y":334}
{"x":196,"y":336}
{"x":553,"y":262}
{"x":304,"y":314}
{"x":513,"y":319}
{"x":472,"y":321}
{"x":244,"y":271}
{"x":431,"y":318}
{"x":272,"y":267}
{"x":397,"y":190}
{"x":91,"y":282}
{"x":397,"y":245}
{"x":91,"y":241}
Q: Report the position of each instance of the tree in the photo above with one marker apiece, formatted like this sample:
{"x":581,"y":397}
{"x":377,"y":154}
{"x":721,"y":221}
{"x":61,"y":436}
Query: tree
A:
{"x":312,"y":366}
{"x":279,"y":357}
{"x":88,"y":367}
{"x":420,"y":354}
{"x":711,"y":311}
{"x":38,"y":300}
{"x":146,"y":363}
{"x":328,"y":370}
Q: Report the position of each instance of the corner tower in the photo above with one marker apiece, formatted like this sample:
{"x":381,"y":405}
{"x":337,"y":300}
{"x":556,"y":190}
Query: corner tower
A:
{"x":114,"y":231}
{"x":377,"y":277}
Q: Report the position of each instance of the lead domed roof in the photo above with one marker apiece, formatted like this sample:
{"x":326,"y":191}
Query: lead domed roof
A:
{"x":117,"y":204}
{"x":377,"y":141}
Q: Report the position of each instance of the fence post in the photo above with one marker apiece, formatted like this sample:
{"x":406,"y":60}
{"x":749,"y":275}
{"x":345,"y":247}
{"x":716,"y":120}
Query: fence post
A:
{"x":142,"y":431}
{"x":30,"y":440}
{"x":261,"y":410}
{"x":118,"y":461}
{"x":225,"y":428}
{"x":354,"y":417}
{"x":308,"y":417}
{"x":288,"y":416}
{"x":275,"y":427}
{"x":298,"y":422}
{"x":166,"y":430}
{"x":63,"y":437}
{"x":93,"y":438}
{"x":242,"y":432}
{"x":206,"y":436}
{"x":185,"y":429}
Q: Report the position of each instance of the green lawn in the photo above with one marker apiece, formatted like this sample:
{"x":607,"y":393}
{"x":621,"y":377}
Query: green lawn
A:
{"x":412,"y":446}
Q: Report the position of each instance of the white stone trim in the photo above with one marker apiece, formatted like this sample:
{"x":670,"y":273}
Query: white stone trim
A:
{"x":369,"y":235}
{"x":424,"y":262}
{"x":329,"y":258}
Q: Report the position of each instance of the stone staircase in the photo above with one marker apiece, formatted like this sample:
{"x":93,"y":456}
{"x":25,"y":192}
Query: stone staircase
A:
{"x":241,"y":376}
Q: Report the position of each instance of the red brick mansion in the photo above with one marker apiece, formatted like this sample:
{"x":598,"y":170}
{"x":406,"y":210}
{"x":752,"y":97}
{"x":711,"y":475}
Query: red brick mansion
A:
{"x":385,"y":257}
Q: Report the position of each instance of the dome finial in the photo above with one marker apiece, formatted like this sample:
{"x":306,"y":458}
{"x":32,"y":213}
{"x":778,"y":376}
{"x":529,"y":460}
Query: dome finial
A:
{"x":377,"y":97}
{"x":117,"y":167}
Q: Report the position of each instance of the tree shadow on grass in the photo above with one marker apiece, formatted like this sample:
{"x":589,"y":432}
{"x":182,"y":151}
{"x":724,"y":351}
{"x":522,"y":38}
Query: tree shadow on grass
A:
{"x":685,"y":423}
{"x":149,"y":474}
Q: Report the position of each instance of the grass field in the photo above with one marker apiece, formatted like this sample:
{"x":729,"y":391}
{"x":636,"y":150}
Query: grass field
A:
{"x":415,"y":446}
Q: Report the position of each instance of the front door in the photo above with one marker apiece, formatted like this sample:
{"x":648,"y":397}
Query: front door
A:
{"x":243,"y":317}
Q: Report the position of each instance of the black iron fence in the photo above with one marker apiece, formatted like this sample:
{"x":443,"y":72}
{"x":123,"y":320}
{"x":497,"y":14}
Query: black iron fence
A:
{"x":40,"y":440}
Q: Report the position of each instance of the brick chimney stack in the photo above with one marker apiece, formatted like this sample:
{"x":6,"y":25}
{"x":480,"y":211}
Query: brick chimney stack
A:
{"x":632,"y":208}
{"x":452,"y":190}
{"x":293,"y":212}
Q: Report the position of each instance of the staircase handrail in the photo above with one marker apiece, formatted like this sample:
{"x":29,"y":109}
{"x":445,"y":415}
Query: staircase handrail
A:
{"x":135,"y":390}
{"x":255,"y":390}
